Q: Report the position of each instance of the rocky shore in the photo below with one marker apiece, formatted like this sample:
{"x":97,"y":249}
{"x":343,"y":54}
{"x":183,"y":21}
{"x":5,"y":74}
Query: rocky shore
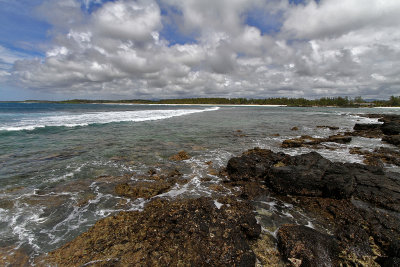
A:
{"x":356,"y":207}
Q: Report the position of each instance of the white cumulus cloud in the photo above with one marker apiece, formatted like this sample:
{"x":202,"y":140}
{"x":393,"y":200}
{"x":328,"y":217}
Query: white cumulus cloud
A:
{"x":324,"y":48}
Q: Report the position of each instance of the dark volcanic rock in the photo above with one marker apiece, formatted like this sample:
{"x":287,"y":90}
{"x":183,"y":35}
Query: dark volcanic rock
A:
{"x":179,"y":233}
{"x":389,"y":117}
{"x":366,"y":130}
{"x":378,"y":156}
{"x":340,"y":139}
{"x":357,"y":204}
{"x":366,"y":126}
{"x":390,"y":262}
{"x":391,"y":128}
{"x":252,"y":165}
{"x":304,"y":246}
{"x":383,"y":190}
{"x":312,"y":175}
{"x":308,"y":141}
{"x":359,"y":229}
{"x":392,"y":139}
{"x":333,"y":128}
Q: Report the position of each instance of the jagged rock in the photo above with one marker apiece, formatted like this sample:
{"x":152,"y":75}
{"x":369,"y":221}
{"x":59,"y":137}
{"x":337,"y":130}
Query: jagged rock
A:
{"x":363,"y":232}
{"x":333,"y":128}
{"x":179,"y":233}
{"x":389,"y":117}
{"x":378,"y":156}
{"x":12,"y":256}
{"x":312,"y":175}
{"x":392,"y":139}
{"x":391,"y":128}
{"x":142,"y":189}
{"x":182,"y":155}
{"x":308,"y":141}
{"x":295,"y":128}
{"x":304,"y":246}
{"x":378,"y":188}
{"x":147,"y":189}
{"x":292,"y":143}
{"x":252,"y":165}
{"x":341,"y":139}
{"x":368,"y":130}
{"x":366,"y":126}
{"x":390,"y":262}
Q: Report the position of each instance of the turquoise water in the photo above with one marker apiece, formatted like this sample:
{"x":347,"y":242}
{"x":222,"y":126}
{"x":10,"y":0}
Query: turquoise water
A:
{"x":59,"y":163}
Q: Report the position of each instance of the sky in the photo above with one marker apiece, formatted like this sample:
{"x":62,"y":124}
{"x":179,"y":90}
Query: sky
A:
{"x":157,"y":49}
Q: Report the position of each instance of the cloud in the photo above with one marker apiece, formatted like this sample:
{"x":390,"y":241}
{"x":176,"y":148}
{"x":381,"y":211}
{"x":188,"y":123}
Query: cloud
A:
{"x":121,"y":49}
{"x":330,"y":18}
{"x":61,"y":14}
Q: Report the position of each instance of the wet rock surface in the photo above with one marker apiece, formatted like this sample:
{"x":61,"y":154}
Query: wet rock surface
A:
{"x":392,"y":139}
{"x":252,"y":165}
{"x":181,"y":155}
{"x":304,"y":246}
{"x":308,"y":141}
{"x":358,"y":206}
{"x":388,"y":131}
{"x":355,"y":208}
{"x":155,"y":184}
{"x":192,"y":232}
{"x":378,"y":156}
{"x":11,"y":256}
{"x":312,"y":175}
{"x":332,"y":128}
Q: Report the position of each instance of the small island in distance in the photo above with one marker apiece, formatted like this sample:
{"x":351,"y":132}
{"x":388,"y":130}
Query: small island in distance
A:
{"x":393,"y":101}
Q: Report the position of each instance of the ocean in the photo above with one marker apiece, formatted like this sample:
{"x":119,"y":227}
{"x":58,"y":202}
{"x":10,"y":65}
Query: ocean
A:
{"x":59,"y":163}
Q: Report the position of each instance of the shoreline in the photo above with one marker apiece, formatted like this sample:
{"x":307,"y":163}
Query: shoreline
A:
{"x":273,"y":204}
{"x":224,"y":105}
{"x":327,"y":189}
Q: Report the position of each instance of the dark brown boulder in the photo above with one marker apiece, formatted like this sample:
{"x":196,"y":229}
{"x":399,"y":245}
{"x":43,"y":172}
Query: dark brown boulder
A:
{"x":182,"y":155}
{"x":252,"y":165}
{"x":311,"y":175}
{"x":142,"y":189}
{"x":392,"y":139}
{"x":309,"y":141}
{"x":304,"y":246}
{"x":359,"y":229}
{"x":389,"y":118}
{"x":390,"y":262}
{"x":366,"y":126}
{"x":340,"y":139}
{"x":382,"y":190}
{"x":391,"y":128}
{"x":333,"y":128}
{"x":179,"y":233}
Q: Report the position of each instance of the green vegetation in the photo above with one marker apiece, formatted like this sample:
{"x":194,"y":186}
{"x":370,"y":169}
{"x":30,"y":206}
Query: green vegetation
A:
{"x":394,"y":101}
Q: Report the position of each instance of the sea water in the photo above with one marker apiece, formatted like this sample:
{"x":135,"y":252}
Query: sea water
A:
{"x":59,"y":163}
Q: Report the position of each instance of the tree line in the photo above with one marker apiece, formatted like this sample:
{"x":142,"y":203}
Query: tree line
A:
{"x":394,"y":101}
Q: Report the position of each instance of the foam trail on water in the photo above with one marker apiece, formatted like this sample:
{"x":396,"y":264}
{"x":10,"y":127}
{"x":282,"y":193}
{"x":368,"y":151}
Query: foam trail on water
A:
{"x":73,"y":120}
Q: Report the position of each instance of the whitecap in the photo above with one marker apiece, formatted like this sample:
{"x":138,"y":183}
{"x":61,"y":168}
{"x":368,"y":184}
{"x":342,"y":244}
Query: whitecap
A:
{"x":73,"y":120}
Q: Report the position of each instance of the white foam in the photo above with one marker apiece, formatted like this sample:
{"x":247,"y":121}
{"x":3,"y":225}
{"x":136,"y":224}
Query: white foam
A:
{"x":217,"y":204}
{"x":310,"y":225}
{"x":73,"y":120}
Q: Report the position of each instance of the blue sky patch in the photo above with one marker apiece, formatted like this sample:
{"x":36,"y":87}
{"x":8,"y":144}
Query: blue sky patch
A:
{"x":267,"y":23}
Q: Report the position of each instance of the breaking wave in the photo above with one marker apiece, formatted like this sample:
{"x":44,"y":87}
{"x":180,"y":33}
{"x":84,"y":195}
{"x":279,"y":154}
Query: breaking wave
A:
{"x":73,"y":120}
